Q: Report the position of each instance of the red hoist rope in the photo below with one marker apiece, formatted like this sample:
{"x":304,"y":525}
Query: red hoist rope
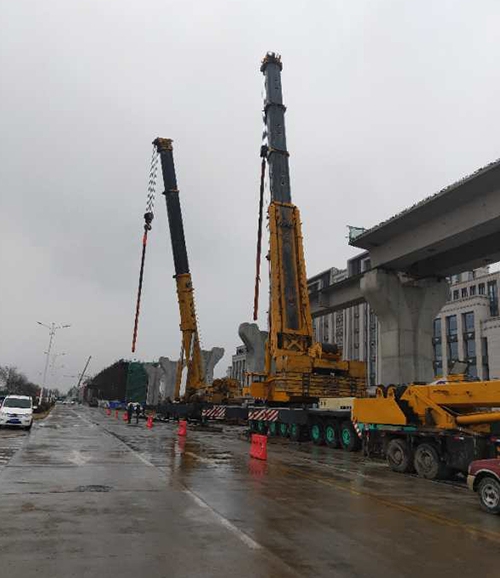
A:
{"x":263,"y":154}
{"x":148,"y":217}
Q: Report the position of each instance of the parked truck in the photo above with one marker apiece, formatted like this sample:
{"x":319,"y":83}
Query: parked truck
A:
{"x":434,"y":430}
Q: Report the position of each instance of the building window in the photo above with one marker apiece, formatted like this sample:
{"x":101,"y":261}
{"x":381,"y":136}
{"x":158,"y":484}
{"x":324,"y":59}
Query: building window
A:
{"x":472,"y":290}
{"x":468,"y":321}
{"x":451,"y":325}
{"x":464,"y":292}
{"x":453,"y":350}
{"x":470,"y":348}
{"x":438,"y":368}
{"x":437,"y":327}
{"x":493,"y":296}
{"x":481,"y":288}
{"x":486,"y":367}
{"x":472,"y":371}
{"x":455,"y":294}
{"x":438,"y":352}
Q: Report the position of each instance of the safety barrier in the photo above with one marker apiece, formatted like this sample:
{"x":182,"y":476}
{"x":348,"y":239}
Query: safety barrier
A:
{"x":149,"y":422}
{"x":182,"y":431}
{"x":258,"y":447}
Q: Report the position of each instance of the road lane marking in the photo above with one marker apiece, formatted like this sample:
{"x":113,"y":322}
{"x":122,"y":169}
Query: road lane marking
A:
{"x":245,"y":538}
{"x":415,"y":510}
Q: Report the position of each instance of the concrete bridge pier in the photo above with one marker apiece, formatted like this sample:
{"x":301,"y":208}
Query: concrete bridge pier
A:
{"x":406,"y":309}
{"x":211,"y":358}
{"x":255,"y":342}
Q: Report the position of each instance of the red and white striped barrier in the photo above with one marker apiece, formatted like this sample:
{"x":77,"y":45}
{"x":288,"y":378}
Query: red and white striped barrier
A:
{"x":216,"y":412}
{"x":263,"y":414}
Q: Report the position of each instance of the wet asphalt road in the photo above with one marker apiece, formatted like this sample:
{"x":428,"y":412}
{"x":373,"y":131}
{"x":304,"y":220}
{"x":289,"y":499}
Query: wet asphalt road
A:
{"x":84,"y":495}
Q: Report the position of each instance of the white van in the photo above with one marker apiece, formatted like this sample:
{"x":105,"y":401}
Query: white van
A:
{"x":17,"y":410}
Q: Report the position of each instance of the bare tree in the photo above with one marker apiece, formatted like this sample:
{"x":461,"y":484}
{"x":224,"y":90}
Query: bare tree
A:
{"x":14,"y":382}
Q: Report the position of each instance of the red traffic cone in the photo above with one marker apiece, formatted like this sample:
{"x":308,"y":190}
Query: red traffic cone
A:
{"x":108,"y":411}
{"x":182,"y":431}
{"x":149,"y":423}
{"x":116,"y":414}
{"x":258,"y":449}
{"x":125,"y":416}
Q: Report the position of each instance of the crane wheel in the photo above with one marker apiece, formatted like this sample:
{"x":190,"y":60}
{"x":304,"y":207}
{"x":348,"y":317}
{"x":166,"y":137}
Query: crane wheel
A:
{"x":428,"y":463}
{"x":399,"y":456}
{"x":332,"y":438}
{"x":317,"y":434}
{"x":283,"y":430}
{"x":348,"y":437}
{"x":295,"y":432}
{"x":262,"y":427}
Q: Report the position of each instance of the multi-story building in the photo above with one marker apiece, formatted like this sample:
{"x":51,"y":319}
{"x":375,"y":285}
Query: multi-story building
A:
{"x":355,"y":330}
{"x":238,"y":364}
{"x":468,"y":325}
{"x":466,"y":329}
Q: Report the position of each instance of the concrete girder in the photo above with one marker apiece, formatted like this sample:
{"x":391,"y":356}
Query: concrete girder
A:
{"x":405,"y":309}
{"x":336,"y":297}
{"x":456,"y":230}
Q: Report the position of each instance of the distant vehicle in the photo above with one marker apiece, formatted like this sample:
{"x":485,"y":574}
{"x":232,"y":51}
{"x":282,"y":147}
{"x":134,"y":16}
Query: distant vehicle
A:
{"x":484,"y":478}
{"x":17,"y":410}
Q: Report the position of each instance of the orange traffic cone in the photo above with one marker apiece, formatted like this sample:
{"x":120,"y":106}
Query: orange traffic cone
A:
{"x":149,"y":423}
{"x":258,"y":449}
{"x":182,"y":431}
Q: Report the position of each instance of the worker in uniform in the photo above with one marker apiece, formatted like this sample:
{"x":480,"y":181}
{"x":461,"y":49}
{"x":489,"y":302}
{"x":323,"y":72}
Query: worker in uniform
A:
{"x":130,"y":410}
{"x":137,"y":412}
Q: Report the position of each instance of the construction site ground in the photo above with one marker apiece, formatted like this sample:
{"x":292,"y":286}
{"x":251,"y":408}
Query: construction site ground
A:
{"x":85,"y":494}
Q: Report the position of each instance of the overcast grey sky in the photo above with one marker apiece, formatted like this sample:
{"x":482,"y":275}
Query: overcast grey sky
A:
{"x":388,"y":101}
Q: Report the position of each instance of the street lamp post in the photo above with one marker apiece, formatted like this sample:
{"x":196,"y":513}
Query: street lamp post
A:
{"x":52,"y":331}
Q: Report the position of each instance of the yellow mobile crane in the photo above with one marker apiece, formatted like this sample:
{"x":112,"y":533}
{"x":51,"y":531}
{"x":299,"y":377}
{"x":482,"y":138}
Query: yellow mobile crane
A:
{"x":298,"y":370}
{"x":433,"y":429}
{"x":190,"y":358}
{"x":190,"y":367}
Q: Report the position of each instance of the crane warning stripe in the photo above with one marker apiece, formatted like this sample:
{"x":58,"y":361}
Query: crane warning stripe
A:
{"x":217,"y":412}
{"x":263,"y":414}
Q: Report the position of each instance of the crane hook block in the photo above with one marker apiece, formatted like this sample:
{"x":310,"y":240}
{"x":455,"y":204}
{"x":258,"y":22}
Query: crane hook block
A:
{"x":148,"y":219}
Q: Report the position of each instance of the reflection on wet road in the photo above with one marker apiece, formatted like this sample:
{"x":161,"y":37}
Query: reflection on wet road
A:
{"x":124,"y":496}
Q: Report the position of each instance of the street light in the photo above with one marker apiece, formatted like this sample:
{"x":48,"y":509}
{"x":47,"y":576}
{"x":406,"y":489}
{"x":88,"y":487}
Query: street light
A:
{"x":52,"y":331}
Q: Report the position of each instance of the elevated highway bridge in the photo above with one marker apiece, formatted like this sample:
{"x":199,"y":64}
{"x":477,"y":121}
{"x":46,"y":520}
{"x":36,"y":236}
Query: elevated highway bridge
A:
{"x":411,"y":254}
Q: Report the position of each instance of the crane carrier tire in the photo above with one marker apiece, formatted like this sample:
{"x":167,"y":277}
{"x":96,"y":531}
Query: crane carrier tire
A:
{"x":428,"y":463}
{"x":316,"y":433}
{"x":399,"y":456}
{"x":348,"y":437}
{"x":332,"y":438}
